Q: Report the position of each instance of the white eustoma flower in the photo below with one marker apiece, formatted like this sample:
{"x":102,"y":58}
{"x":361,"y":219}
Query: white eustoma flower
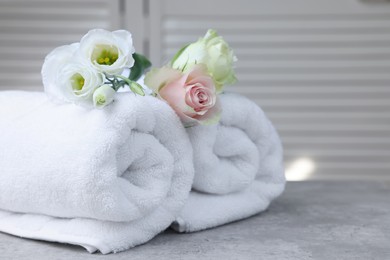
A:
{"x":109,"y":52}
{"x":53,"y":63}
{"x":68,"y":78}
{"x":78,"y":82}
{"x":213,"y":51}
{"x":103,"y":96}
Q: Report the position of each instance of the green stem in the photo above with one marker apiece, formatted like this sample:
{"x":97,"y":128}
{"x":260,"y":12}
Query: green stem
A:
{"x":128,"y":81}
{"x":134,"y":86}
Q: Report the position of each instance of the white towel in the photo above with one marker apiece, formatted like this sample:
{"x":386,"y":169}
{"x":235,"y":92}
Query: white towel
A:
{"x":238,"y":167}
{"x":104,"y":179}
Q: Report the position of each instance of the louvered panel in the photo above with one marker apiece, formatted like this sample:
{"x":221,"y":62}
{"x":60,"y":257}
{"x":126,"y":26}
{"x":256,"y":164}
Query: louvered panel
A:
{"x":320,"y":69}
{"x":29,"y":29}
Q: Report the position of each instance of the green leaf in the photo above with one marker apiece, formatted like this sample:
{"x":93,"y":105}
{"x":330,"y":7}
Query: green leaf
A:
{"x":137,"y":88}
{"x":179,"y":53}
{"x":141,"y":63}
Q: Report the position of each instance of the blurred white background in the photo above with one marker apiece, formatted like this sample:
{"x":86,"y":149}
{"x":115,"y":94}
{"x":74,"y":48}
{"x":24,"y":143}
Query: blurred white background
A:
{"x":319,"y":68}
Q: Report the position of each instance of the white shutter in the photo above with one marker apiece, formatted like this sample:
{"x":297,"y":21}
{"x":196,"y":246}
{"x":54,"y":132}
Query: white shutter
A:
{"x":30,"y":29}
{"x":319,"y":68}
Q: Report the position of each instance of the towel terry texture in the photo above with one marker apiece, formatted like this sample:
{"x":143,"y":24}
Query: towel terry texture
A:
{"x":238,"y":167}
{"x":104,"y":179}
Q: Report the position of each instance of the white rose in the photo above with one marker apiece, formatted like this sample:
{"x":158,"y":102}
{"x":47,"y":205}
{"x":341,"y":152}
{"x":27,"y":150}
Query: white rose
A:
{"x":103,"y":96}
{"x":213,"y":51}
{"x":109,"y":52}
{"x":68,"y":78}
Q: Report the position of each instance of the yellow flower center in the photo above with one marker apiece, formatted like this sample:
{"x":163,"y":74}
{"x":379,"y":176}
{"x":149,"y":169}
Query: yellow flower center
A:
{"x":77,"y":82}
{"x":105,"y":54}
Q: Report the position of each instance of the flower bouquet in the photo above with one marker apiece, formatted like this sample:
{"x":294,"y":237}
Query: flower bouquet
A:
{"x":90,"y":72}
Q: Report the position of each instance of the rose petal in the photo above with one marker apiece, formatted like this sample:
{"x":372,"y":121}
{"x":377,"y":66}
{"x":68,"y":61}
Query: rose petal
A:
{"x":205,"y":81}
{"x":158,"y":78}
{"x":212,"y":116}
{"x":192,"y":55}
{"x":198,"y":70}
{"x":174,"y":93}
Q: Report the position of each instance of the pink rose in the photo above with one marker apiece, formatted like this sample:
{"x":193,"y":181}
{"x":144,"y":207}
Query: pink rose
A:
{"x":192,"y":95}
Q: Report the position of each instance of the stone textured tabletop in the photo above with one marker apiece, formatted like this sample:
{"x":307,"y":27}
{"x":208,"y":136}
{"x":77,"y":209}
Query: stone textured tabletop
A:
{"x":312,"y":220}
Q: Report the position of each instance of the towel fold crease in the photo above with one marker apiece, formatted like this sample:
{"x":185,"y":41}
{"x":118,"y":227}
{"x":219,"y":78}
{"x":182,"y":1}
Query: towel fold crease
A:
{"x":238,"y":167}
{"x":103,"y":179}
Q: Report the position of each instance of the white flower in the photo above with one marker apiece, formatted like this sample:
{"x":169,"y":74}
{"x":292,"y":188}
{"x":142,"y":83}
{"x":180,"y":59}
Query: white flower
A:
{"x":103,"y":96}
{"x":53,"y":63}
{"x":68,"y":78}
{"x":213,"y":51}
{"x":109,"y":52}
{"x":78,"y":82}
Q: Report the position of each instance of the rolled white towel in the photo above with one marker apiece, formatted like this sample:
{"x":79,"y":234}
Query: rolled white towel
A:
{"x":104,"y":179}
{"x":238,"y":167}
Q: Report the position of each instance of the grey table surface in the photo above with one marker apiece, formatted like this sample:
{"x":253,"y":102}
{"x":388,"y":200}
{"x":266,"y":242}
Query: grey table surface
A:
{"x":311,"y":220}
